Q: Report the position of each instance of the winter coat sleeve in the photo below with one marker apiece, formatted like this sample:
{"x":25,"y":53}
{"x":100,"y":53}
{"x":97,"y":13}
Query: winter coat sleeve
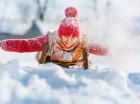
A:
{"x":24,"y":45}
{"x":97,"y":49}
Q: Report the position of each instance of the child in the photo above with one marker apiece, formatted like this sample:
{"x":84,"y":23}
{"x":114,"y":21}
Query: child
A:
{"x":64,"y":47}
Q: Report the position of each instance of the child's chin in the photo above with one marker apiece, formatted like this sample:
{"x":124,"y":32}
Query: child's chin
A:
{"x":68,"y":45}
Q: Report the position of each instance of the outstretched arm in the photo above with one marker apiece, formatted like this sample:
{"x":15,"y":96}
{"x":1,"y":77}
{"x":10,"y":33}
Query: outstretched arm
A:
{"x":24,"y":45}
{"x":97,"y":49}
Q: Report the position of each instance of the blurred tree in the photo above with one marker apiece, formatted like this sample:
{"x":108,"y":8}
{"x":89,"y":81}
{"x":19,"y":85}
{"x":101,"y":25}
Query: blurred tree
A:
{"x":4,"y":16}
{"x":108,"y":4}
{"x":95,"y":7}
{"x":24,"y":10}
{"x":41,"y":9}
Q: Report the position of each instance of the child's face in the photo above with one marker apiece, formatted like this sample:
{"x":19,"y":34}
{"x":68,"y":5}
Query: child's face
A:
{"x":68,"y":40}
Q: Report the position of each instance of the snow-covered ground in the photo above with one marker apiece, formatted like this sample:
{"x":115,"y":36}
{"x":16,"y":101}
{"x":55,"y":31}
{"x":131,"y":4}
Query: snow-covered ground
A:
{"x":23,"y":81}
{"x":52,"y":84}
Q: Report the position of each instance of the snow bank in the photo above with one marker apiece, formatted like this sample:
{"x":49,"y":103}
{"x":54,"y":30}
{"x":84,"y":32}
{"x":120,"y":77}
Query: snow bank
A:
{"x":52,"y":84}
{"x":134,"y":83}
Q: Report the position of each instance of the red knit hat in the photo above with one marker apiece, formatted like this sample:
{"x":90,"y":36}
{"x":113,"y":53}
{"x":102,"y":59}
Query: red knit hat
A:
{"x":69,"y":25}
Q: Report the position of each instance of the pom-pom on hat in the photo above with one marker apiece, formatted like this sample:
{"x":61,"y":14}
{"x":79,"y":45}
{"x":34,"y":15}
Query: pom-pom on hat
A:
{"x":69,"y":25}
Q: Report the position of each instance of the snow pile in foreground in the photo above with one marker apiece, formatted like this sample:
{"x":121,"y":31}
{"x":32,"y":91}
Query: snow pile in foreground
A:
{"x":134,"y":83}
{"x":51,"y":84}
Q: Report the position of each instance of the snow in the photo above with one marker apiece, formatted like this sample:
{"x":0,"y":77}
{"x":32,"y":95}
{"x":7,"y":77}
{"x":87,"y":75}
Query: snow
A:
{"x":50,"y":83}
{"x":23,"y":81}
